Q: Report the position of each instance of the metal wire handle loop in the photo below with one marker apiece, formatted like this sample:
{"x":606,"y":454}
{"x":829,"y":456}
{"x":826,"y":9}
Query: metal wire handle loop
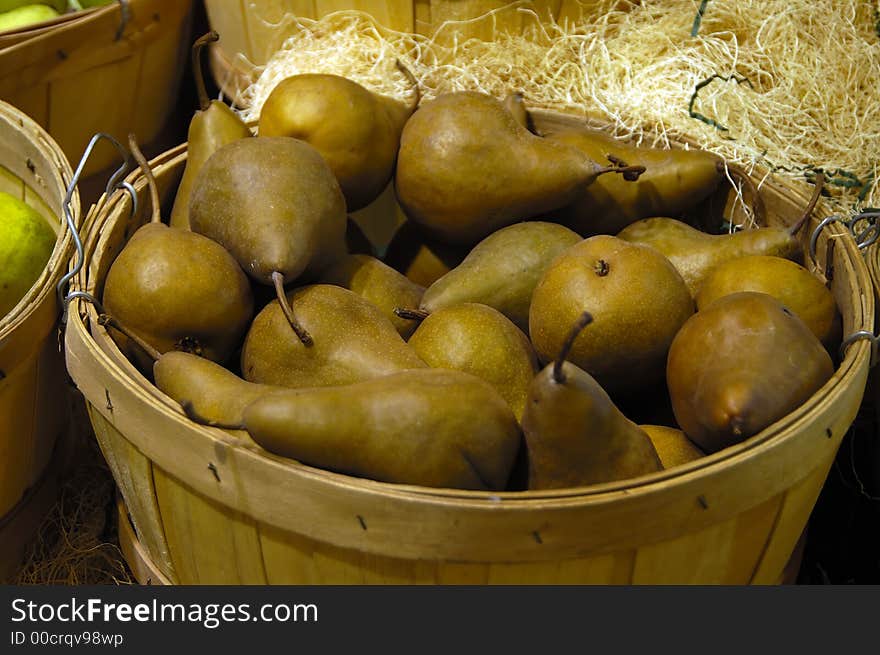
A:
{"x":126,"y":16}
{"x":814,"y":237}
{"x":870,"y":234}
{"x":61,"y":288}
{"x":89,"y":297}
{"x":855,"y":336}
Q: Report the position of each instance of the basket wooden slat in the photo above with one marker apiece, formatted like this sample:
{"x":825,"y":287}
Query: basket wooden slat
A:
{"x":251,"y":32}
{"x":13,"y":37}
{"x":78,"y":78}
{"x":33,"y":390}
{"x":210,"y":506}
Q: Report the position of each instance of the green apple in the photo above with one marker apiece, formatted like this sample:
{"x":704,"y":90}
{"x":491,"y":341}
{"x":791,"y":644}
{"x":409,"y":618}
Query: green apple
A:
{"x":25,"y":16}
{"x":26,"y":243}
{"x":8,"y":5}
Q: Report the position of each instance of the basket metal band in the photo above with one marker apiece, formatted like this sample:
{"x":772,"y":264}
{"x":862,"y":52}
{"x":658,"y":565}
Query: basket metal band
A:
{"x":115,"y":182}
{"x":864,"y":236}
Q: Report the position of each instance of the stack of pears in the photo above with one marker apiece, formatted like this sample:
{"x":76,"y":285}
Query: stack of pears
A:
{"x":543,"y":319}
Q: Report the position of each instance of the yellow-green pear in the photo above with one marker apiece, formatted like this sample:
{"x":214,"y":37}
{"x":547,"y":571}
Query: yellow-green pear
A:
{"x":26,"y":244}
{"x":574,"y":434}
{"x":480,"y":340}
{"x":428,"y":427}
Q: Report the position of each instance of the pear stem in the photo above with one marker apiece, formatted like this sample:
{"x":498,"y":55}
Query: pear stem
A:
{"x":199,"y":77}
{"x":148,"y":173}
{"x":583,"y":321}
{"x":817,"y":191}
{"x":412,"y":314}
{"x":301,"y":332}
{"x":407,"y":73}
{"x":630,"y":173}
{"x":106,"y":320}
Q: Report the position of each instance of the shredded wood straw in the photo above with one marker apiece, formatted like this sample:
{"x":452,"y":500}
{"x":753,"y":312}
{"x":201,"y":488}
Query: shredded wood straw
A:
{"x":790,"y":86}
{"x":77,"y":543}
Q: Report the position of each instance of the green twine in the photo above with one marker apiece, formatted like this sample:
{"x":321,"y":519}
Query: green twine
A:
{"x":838,"y":177}
{"x":701,"y":117}
{"x":699,"y":17}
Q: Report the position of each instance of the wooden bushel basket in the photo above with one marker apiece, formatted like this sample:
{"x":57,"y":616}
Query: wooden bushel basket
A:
{"x":33,"y":384}
{"x":209,"y":506}
{"x":251,"y":32}
{"x":110,"y":70}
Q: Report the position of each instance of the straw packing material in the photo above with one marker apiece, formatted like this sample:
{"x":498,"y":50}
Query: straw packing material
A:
{"x":788,"y":85}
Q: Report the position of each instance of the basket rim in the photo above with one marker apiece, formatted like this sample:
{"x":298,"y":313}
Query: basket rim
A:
{"x":855,"y":363}
{"x":44,"y":287}
{"x":35,"y":29}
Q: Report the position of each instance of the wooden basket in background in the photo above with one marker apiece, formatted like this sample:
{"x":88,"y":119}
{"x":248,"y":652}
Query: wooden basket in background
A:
{"x":34,"y":409}
{"x":209,"y":506}
{"x":115,"y":69}
{"x":251,"y":32}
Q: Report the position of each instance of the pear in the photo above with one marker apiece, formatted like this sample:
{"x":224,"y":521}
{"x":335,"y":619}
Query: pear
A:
{"x":429,"y":427}
{"x":207,"y":392}
{"x":574,"y":434}
{"x":674,"y":180}
{"x":26,"y":15}
{"x":466,"y":167}
{"x":213,"y":125}
{"x":418,"y":256}
{"x":481,"y":341}
{"x":740,"y":364}
{"x":353,"y":341}
{"x":26,"y":244}
{"x":639,"y":301}
{"x":355,"y":130}
{"x":787,"y":281}
{"x":274,"y":203}
{"x":694,"y":252}
{"x":176,"y":289}
{"x":672,"y":445}
{"x":502,"y":270}
{"x":378,"y":283}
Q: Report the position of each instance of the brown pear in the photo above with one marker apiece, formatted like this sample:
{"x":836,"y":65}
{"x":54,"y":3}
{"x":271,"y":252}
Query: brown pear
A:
{"x":466,"y":167}
{"x":694,"y":253}
{"x":502,"y":270}
{"x":213,"y":125}
{"x":380,"y":284}
{"x":352,"y":341}
{"x":355,"y":130}
{"x":481,"y":341}
{"x":209,"y":393}
{"x":275,"y":205}
{"x":739,"y":365}
{"x":674,"y":180}
{"x":428,"y":427}
{"x":574,"y":434}
{"x":787,"y":281}
{"x":672,"y":445}
{"x":639,"y":302}
{"x":176,"y":289}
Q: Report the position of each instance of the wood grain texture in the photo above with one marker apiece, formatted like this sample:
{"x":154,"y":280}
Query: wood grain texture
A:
{"x":79,"y":78}
{"x":33,"y":168}
{"x":133,"y":474}
{"x":251,"y":32}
